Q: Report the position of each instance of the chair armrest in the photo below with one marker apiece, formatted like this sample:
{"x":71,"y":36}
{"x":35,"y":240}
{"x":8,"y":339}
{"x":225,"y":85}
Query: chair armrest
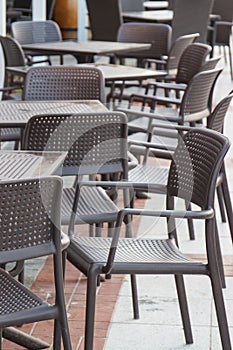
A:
{"x":152,"y":115}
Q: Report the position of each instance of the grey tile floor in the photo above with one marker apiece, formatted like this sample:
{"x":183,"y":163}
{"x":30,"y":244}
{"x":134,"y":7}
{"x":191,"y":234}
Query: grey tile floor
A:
{"x":159,"y":326}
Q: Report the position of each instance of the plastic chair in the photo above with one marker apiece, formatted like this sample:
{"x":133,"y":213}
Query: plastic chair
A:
{"x":63,"y":83}
{"x":104,"y":27}
{"x":190,"y":17}
{"x":221,"y":30}
{"x":29,"y":32}
{"x":31,"y":229}
{"x":157,"y":34}
{"x":94,"y":256}
{"x":96,"y":144}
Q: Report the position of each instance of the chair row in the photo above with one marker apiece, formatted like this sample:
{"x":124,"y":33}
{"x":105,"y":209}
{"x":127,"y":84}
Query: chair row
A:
{"x":103,"y":139}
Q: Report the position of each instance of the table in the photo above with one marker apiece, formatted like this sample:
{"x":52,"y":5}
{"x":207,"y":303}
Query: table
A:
{"x":85,"y":48}
{"x":21,"y":164}
{"x":114,"y":72}
{"x":155,"y":5}
{"x":17,"y":113}
{"x":149,"y":16}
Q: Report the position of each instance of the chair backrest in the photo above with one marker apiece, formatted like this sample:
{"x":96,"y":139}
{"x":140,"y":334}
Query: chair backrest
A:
{"x":177,"y":49}
{"x":191,"y":17}
{"x":105,"y":19}
{"x":191,"y":61}
{"x":30,"y":218}
{"x":195,"y":166}
{"x":217,"y":117}
{"x":197,"y":100}
{"x":29,"y":32}
{"x":12,"y":51}
{"x":132,"y":5}
{"x":63,"y":83}
{"x":158,"y":34}
{"x":211,"y":63}
{"x":24,"y":4}
{"x":96,"y":142}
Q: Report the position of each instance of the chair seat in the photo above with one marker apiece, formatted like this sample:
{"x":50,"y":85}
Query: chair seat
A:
{"x":139,"y":252}
{"x":149,"y":174}
{"x":94,"y":204}
{"x":18,"y":300}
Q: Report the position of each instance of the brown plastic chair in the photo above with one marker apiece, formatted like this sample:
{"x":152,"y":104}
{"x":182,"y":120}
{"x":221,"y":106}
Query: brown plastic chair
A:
{"x":63,"y":83}
{"x":157,"y":34}
{"x":30,"y":228}
{"x":192,"y":177}
{"x":30,"y":32}
{"x":96,"y":144}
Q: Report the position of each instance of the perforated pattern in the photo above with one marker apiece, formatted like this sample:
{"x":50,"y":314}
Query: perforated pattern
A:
{"x":217,"y":117}
{"x":63,"y":83}
{"x":13,"y":54}
{"x":177,"y":49}
{"x":159,"y":35}
{"x":93,"y":205}
{"x":195,"y":159}
{"x":149,"y":174}
{"x":197,"y":96}
{"x":25,"y":213}
{"x":191,"y":61}
{"x":15,"y":298}
{"x":130,"y":250}
{"x":29,"y":32}
{"x":94,"y":141}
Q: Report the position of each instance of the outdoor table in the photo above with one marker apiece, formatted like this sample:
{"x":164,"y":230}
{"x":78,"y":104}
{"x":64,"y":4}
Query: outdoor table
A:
{"x":149,"y":16}
{"x":21,"y":164}
{"x":17,"y":113}
{"x":115,"y":72}
{"x":84,"y":48}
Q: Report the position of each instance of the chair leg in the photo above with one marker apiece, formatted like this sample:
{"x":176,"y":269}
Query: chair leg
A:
{"x":228,"y":205}
{"x":190,"y":223}
{"x":221,"y":202}
{"x":184,"y":308}
{"x":134,"y":297}
{"x":90,"y":309}
{"x":220,"y":312}
{"x":219,"y":255}
{"x":230,"y":59}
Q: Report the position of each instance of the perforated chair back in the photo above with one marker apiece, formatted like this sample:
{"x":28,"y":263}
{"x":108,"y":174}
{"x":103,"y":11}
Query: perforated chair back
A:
{"x":190,"y":17}
{"x":29,"y":32}
{"x":96,"y":143}
{"x":195,"y":166}
{"x":30,"y":227}
{"x":197,"y":100}
{"x":27,"y":205}
{"x":157,"y":34}
{"x":105,"y":18}
{"x":63,"y":83}
{"x":12,"y":51}
{"x":191,"y":61}
{"x":217,"y":117}
{"x":177,"y":49}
